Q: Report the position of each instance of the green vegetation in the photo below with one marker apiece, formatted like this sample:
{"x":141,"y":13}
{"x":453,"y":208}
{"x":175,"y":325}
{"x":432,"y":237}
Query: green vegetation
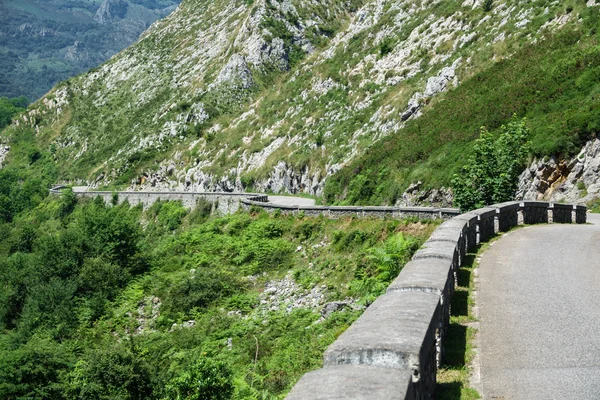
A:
{"x":551,"y":84}
{"x":453,"y":374}
{"x":316,"y":100}
{"x":487,"y":5}
{"x":594,"y":206}
{"x":492,"y":173}
{"x":10,"y":108}
{"x":107,"y":301}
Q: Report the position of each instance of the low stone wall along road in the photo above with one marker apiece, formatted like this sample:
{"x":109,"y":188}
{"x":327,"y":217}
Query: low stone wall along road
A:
{"x":539,"y":309}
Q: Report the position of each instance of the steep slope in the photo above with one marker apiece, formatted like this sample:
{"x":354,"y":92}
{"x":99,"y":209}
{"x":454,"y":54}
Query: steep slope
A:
{"x":279,"y":96}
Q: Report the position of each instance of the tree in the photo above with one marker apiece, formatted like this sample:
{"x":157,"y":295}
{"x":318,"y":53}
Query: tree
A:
{"x":491,"y":174}
{"x":113,"y":371}
{"x":68,"y":201}
{"x":11,"y":107}
{"x":208,"y":379}
{"x":33,"y":369}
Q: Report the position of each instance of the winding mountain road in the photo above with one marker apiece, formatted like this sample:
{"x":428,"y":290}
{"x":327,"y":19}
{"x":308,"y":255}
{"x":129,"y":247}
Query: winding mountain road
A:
{"x":538,"y":298}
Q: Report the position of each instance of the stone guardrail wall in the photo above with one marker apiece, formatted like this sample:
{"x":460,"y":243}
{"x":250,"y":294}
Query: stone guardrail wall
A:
{"x":393,"y":350}
{"x":356,"y":211}
{"x":224,"y":203}
{"x":227,"y":203}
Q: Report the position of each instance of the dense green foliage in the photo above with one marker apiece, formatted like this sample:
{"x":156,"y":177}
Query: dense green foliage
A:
{"x":43,"y":43}
{"x":492,"y":173}
{"x":553,"y":83}
{"x":205,"y":380}
{"x":11,"y":107}
{"x":112,"y":302}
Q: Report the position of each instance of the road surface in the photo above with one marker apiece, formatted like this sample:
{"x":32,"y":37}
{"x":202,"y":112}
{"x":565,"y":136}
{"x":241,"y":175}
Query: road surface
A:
{"x":539,"y":311}
{"x":291,"y":201}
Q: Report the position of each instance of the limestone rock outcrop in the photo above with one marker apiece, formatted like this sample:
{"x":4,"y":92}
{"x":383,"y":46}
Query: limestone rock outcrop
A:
{"x":572,"y":181}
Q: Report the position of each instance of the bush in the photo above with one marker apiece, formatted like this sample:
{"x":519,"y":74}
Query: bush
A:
{"x":197,"y":291}
{"x":208,"y":379}
{"x":491,"y":175}
{"x":67,"y":204}
{"x":487,"y":5}
{"x":116,"y":371}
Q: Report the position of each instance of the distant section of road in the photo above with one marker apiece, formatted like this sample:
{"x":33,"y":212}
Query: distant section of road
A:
{"x":539,"y":306}
{"x":291,"y":201}
{"x":279,"y":200}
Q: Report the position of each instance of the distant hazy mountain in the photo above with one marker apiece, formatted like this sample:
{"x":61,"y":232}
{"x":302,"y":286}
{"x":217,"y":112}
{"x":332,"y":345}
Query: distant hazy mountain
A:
{"x":44,"y":42}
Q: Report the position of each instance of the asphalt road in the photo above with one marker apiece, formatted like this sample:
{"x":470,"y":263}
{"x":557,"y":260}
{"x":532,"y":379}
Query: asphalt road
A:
{"x":279,"y":200}
{"x":538,"y":295}
{"x":291,"y":201}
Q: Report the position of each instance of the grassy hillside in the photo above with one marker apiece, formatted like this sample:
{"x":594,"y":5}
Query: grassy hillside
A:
{"x":554,"y":84}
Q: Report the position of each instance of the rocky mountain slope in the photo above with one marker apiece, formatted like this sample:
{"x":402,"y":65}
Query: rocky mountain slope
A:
{"x":284,"y":96}
{"x":45,"y":42}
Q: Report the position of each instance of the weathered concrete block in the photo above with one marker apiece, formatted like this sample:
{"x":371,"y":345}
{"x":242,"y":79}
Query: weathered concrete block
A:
{"x":359,"y":382}
{"x":449,"y":213}
{"x":429,"y":275}
{"x":313,"y":211}
{"x":535,"y":212}
{"x":345,"y":211}
{"x":508,"y":215}
{"x":397,"y":331}
{"x":471,"y":229}
{"x":379,"y":212}
{"x":443,"y":250}
{"x":453,"y":231}
{"x":486,"y":223}
{"x":581,"y":214}
{"x":562,"y":213}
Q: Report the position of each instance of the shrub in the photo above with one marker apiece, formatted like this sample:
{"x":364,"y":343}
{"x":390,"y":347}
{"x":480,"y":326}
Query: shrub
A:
{"x":116,"y":371}
{"x":491,"y":175}
{"x":208,"y":379}
{"x":198,"y":290}
{"x":386,"y":47}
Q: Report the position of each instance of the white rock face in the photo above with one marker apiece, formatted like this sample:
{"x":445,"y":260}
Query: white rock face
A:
{"x":416,"y":195}
{"x":285,"y":179}
{"x":574,"y":181}
{"x":236,"y":73}
{"x":439,"y":83}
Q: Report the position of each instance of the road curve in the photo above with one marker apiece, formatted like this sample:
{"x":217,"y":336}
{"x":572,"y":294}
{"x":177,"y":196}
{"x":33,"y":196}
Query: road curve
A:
{"x":291,"y":201}
{"x":278,"y":200}
{"x":539,"y":309}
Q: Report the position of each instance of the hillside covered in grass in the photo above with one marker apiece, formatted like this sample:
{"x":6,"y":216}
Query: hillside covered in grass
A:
{"x":553,"y":84}
{"x":353,"y":101}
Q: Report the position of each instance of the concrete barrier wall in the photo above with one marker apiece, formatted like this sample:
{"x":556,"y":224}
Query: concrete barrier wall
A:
{"x":227,"y":203}
{"x":393,"y":350}
{"x":223,"y":203}
{"x":357,"y":211}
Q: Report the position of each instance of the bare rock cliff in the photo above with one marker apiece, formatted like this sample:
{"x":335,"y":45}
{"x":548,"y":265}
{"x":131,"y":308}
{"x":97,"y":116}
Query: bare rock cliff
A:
{"x":571,"y":181}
